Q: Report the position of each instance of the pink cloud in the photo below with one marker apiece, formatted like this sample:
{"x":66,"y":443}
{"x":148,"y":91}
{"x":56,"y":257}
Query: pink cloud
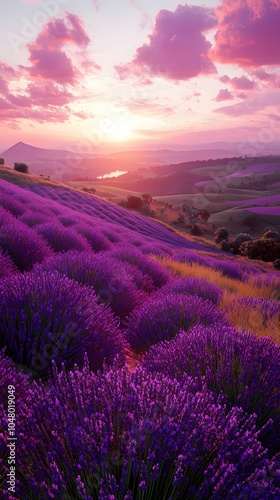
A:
{"x":59,"y":32}
{"x":48,"y":59}
{"x":49,"y":94}
{"x":144,"y":107}
{"x":242,"y":83}
{"x":45,"y":97}
{"x":269,"y":98}
{"x":19,"y":100}
{"x":270,"y":80}
{"x":3,"y":85}
{"x":263,"y":75}
{"x":239,"y":83}
{"x":51,"y":65}
{"x":12,"y":116}
{"x":177,"y":48}
{"x":248,"y":33}
{"x":224,"y":95}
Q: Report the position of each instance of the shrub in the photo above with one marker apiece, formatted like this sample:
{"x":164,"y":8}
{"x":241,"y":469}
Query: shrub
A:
{"x":147,"y":198}
{"x":2,"y":161}
{"x":221,"y":234}
{"x":7,"y":266}
{"x":228,"y":268}
{"x":133,"y":436}
{"x":148,"y":266}
{"x":134,"y":202}
{"x":47,"y":316}
{"x":62,"y":239}
{"x":33,"y":218}
{"x":21,"y":167}
{"x":243,"y":366}
{"x":194,"y":286}
{"x":111,"y":281}
{"x":196,"y":230}
{"x":204,"y":214}
{"x":9,"y":375}
{"x":10,"y":203}
{"x":225,"y":246}
{"x":276,"y":264}
{"x":270,"y":234}
{"x":97,"y":240}
{"x":161,"y":318}
{"x":22,"y":244}
{"x":267,"y":250}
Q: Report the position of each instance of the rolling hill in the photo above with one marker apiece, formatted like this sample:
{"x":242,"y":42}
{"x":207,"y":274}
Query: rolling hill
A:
{"x":138,"y":363}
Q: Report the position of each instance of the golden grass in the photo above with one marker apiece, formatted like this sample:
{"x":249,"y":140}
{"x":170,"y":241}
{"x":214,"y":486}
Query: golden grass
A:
{"x":238,"y":288}
{"x":250,"y":319}
{"x":241,"y":317}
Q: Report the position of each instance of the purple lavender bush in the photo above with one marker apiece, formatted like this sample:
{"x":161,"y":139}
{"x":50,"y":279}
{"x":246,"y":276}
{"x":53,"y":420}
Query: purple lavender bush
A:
{"x":97,"y":240}
{"x":47,"y":316}
{"x":228,"y":268}
{"x":241,"y":365}
{"x":7,"y":266}
{"x":10,"y":375}
{"x":269,"y":308}
{"x":110,"y":280}
{"x":24,"y":246}
{"x":194,"y":286}
{"x":134,"y":435}
{"x":10,"y":203}
{"x":62,"y":239}
{"x":162,"y":317}
{"x":131,"y":255}
{"x":33,"y":218}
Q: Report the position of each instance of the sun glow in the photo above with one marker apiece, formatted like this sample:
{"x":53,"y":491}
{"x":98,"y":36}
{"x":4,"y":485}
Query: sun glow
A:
{"x":118,"y":131}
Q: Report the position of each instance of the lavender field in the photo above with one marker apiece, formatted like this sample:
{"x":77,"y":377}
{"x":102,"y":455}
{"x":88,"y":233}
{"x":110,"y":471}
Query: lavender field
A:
{"x":144,"y":366}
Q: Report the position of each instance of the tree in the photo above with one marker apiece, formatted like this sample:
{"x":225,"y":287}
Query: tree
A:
{"x":21,"y":167}
{"x":2,"y":161}
{"x":196,"y":230}
{"x":221,"y":234}
{"x":204,"y":214}
{"x":267,"y":250}
{"x":134,"y":202}
{"x":147,"y":198}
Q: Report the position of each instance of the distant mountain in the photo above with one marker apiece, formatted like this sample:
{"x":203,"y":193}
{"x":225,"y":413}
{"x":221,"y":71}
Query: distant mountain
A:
{"x":26,"y":153}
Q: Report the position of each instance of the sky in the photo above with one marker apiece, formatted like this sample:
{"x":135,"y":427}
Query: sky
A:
{"x":97,"y":74}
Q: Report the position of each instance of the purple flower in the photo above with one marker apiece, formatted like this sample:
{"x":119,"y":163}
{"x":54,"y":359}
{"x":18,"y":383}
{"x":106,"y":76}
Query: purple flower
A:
{"x":241,"y":365}
{"x":45,"y":317}
{"x":21,"y":243}
{"x":110,"y":279}
{"x":62,"y":239}
{"x":193,"y":286}
{"x":171,"y":439}
{"x":162,"y":317}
